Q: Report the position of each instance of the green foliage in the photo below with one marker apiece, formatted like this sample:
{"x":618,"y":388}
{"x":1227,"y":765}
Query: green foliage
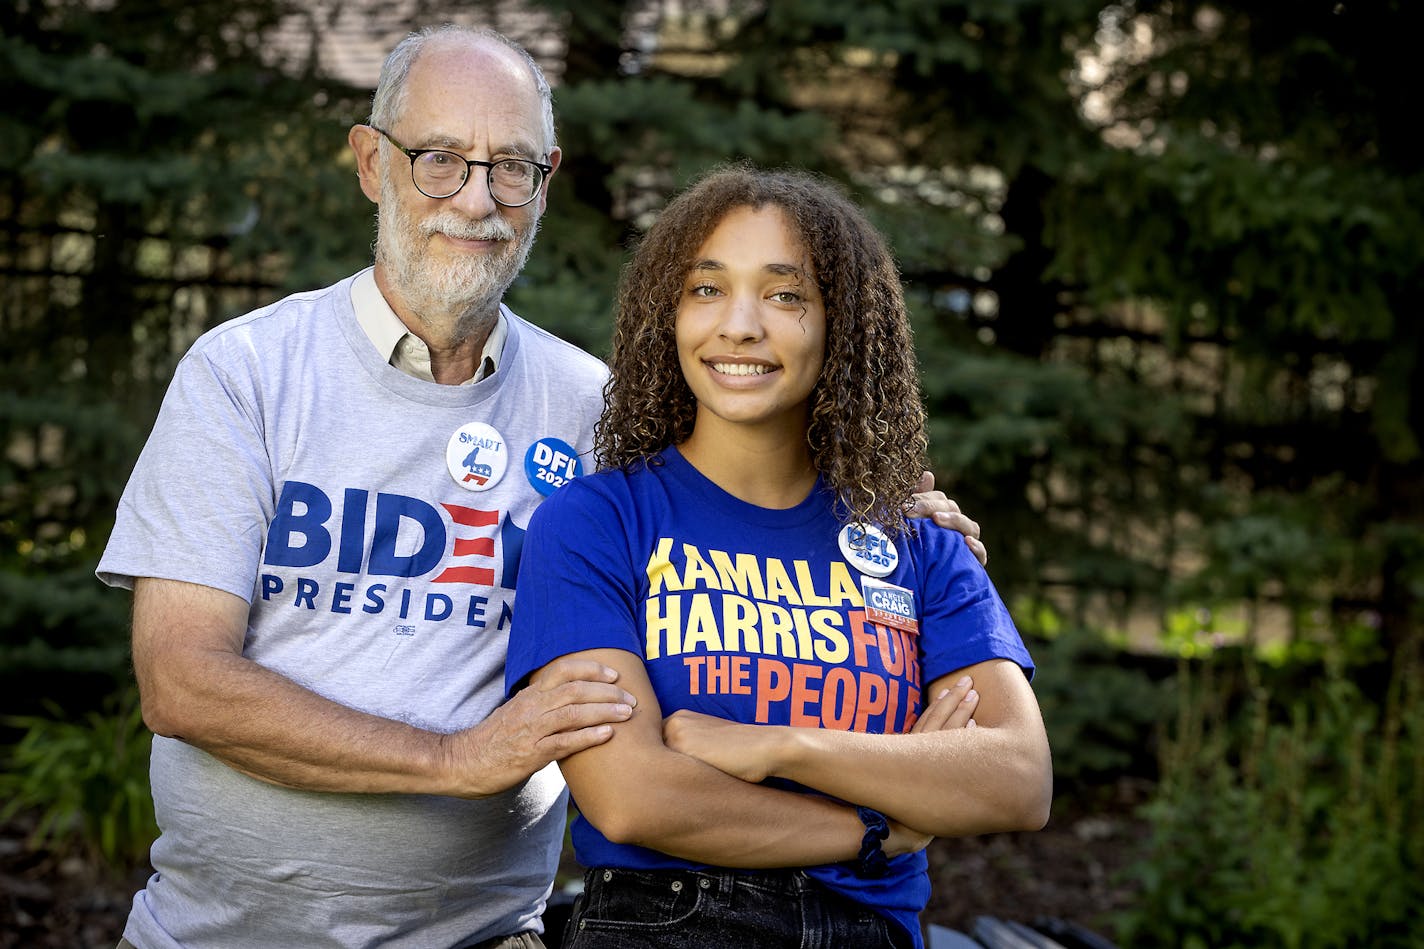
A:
{"x":1101,"y":709}
{"x":1248,"y":234}
{"x":1257,"y":206}
{"x":162,"y":168}
{"x":1164,"y":259}
{"x":1161,"y":257}
{"x":86,"y":779}
{"x":1293,"y":824}
{"x":1281,"y":543}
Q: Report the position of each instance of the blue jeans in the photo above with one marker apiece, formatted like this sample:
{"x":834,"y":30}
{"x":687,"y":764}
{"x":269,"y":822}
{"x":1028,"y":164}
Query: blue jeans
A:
{"x":715,"y":909}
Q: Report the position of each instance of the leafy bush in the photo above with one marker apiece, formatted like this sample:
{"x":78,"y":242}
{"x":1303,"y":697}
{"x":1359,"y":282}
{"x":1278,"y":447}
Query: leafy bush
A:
{"x":86,"y":779}
{"x":1299,"y":827}
{"x":1102,"y":706}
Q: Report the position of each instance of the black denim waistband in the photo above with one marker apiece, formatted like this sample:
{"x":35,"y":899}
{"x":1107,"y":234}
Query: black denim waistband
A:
{"x":775,"y":882}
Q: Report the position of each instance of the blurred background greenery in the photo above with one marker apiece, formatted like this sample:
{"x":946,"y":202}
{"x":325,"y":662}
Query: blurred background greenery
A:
{"x":1165,"y":260}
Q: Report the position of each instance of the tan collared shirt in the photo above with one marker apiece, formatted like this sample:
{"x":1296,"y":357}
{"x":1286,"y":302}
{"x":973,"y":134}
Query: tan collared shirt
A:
{"x":402,"y":348}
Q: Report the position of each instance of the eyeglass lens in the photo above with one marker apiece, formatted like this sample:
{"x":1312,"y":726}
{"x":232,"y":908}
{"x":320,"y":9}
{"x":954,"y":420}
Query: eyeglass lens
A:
{"x":512,"y":181}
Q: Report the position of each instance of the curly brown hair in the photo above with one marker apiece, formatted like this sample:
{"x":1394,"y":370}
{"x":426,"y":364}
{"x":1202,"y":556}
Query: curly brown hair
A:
{"x":867,"y":423}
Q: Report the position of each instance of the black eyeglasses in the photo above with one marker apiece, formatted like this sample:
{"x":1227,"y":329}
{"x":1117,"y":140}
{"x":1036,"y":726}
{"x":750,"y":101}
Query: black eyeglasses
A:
{"x":437,"y":173}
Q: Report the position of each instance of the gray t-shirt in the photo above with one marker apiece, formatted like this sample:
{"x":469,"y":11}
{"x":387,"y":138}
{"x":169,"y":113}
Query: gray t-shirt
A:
{"x":374,"y":522}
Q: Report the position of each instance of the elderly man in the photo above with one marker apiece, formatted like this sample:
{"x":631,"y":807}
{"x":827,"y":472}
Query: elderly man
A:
{"x":322,"y":535}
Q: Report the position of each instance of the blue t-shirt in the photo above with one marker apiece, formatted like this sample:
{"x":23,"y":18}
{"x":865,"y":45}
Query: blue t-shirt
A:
{"x":756,"y":616}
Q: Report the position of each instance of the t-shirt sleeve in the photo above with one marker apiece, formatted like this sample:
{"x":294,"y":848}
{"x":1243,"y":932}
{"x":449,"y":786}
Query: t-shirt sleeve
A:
{"x":964,"y":620}
{"x":577,"y":584}
{"x":200,"y":496}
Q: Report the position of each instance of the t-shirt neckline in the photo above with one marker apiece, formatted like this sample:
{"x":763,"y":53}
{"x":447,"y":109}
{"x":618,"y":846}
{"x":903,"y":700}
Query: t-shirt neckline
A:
{"x":716,"y":497}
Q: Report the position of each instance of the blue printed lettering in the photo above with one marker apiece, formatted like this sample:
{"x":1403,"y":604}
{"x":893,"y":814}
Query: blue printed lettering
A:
{"x":511,"y":538}
{"x":353,"y":515}
{"x":431,"y":601}
{"x":559,"y":464}
{"x":288,"y":523}
{"x":306,"y":591}
{"x":391,"y":509}
{"x":388,"y":535}
{"x":342,"y":597}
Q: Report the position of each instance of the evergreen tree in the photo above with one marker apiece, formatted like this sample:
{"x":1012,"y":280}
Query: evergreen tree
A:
{"x":1162,"y":256}
{"x":1265,"y":202}
{"x":163,"y":165}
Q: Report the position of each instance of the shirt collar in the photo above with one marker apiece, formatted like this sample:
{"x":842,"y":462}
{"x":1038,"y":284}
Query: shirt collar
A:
{"x":402,"y":348}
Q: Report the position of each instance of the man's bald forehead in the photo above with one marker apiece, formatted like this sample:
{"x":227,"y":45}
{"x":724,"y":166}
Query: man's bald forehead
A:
{"x":486,"y":48}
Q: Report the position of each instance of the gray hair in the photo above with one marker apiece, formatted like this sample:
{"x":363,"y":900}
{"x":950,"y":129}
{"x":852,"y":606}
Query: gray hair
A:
{"x":390,"y":94}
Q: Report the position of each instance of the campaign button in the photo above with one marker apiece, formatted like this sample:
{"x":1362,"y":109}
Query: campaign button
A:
{"x":476,"y":456}
{"x":551,"y":463}
{"x":868,"y":549}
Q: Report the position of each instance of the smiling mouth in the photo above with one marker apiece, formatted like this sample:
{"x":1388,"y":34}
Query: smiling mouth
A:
{"x":469,"y":239}
{"x":741,"y":369}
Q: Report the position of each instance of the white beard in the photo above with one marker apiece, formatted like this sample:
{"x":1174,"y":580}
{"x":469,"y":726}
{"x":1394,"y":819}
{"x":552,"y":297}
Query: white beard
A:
{"x":463,"y":294}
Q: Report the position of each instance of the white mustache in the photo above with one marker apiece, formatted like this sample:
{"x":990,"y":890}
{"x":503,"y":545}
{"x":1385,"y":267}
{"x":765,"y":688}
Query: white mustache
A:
{"x":492,"y":228}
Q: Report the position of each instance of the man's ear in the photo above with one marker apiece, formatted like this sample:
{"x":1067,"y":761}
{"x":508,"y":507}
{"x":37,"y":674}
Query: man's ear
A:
{"x":556,"y":155}
{"x":366,"y":146}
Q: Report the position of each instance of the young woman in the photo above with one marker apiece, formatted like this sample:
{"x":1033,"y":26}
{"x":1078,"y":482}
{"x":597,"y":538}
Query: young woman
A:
{"x":744,"y":562}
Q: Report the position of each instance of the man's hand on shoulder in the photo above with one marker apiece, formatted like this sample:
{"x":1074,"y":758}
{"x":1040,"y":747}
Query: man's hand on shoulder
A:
{"x":568,"y":706}
{"x":931,"y":503}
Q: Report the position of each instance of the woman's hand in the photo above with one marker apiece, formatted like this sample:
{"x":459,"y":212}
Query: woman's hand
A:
{"x":903,"y":840}
{"x":952,"y":708}
{"x":742,"y":751}
{"x":749,"y":751}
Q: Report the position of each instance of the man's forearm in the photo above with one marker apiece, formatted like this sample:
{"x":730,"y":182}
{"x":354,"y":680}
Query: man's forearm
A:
{"x":197,"y":686}
{"x":269,"y":727}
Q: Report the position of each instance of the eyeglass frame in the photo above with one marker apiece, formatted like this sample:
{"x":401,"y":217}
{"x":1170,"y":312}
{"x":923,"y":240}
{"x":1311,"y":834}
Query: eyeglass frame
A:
{"x":415,"y":153}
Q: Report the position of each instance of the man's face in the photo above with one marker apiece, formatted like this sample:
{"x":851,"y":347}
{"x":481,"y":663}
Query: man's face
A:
{"x":456,"y":256}
{"x":432,"y":280}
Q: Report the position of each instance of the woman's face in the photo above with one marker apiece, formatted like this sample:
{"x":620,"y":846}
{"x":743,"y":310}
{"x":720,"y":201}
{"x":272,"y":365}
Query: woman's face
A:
{"x":751,"y":325}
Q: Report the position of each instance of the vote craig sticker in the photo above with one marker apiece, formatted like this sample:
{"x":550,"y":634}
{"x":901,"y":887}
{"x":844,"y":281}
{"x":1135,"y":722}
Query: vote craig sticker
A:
{"x":476,"y":456}
{"x":551,"y":463}
{"x":867,"y":549}
{"x":889,"y":605}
